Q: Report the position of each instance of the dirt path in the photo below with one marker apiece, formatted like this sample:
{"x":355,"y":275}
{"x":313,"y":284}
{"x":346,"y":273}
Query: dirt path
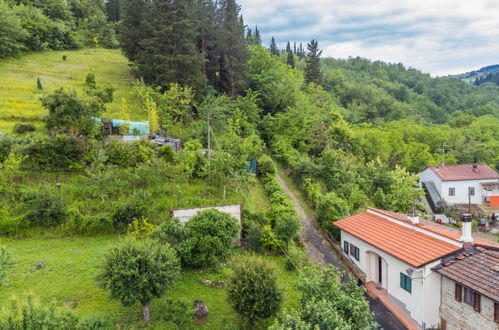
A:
{"x":318,"y":250}
{"x":316,"y":247}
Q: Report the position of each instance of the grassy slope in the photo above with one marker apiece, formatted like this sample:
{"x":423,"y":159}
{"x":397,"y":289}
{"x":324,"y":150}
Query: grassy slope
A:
{"x":19,"y":96}
{"x":71,"y":267}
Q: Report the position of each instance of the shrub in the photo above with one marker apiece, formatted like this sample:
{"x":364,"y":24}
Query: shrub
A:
{"x":266,"y":166}
{"x":204,"y":241}
{"x":96,"y":323}
{"x":329,"y":209}
{"x":30,"y":315}
{"x":57,"y":152}
{"x":176,"y":311}
{"x":43,"y":207}
{"x":138,"y":271}
{"x":64,"y":57}
{"x":296,"y":258}
{"x":23,"y":128}
{"x":5,"y":265}
{"x":125,"y":213}
{"x":252,"y":290}
{"x":128,"y":155}
{"x":6,"y":144}
{"x":167,"y":153}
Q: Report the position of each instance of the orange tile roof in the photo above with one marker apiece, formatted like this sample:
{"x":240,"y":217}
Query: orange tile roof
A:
{"x":436,"y":228}
{"x":413,"y":247}
{"x":464,"y":172}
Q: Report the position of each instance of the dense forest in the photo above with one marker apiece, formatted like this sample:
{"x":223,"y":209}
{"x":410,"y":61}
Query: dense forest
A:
{"x":350,"y":133}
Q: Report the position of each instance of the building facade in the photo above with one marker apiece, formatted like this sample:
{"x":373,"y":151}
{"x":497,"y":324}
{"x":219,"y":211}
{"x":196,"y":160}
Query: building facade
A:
{"x":459,"y":184}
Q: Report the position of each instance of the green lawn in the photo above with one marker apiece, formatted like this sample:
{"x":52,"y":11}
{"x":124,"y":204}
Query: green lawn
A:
{"x":20,"y":98}
{"x":71,"y":265}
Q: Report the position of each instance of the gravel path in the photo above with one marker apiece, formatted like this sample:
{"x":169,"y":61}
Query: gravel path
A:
{"x":318,"y":249}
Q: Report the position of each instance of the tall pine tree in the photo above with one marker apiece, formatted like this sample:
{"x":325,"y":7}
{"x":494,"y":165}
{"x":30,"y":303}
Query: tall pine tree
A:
{"x":133,"y":30}
{"x":273,"y":47}
{"x":313,"y":72}
{"x":291,"y":58}
{"x":235,"y":52}
{"x":170,"y":54}
{"x":257,"y":36}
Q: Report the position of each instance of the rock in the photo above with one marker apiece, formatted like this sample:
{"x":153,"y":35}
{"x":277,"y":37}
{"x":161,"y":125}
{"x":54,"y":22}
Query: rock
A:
{"x":200,"y":311}
{"x":70,"y":303}
{"x":38,"y":265}
{"x":213,"y":284}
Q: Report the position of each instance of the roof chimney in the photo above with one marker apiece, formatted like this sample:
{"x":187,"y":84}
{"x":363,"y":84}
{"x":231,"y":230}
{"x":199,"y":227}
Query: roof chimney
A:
{"x":466,"y":228}
{"x":413,"y":217}
{"x":475,"y":168}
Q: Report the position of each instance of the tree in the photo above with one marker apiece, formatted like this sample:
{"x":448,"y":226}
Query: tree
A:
{"x":258,"y":38}
{"x":113,"y":10}
{"x":273,"y":47}
{"x":326,"y":303}
{"x":204,"y":241}
{"x":138,"y":271}
{"x":234,"y":50}
{"x":252,"y":290}
{"x":69,"y":114}
{"x":168,"y":53}
{"x":291,"y":58}
{"x":133,"y":29}
{"x":12,"y":33}
{"x":313,"y":72}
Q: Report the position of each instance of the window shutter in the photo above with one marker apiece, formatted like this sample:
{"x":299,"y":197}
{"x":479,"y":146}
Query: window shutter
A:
{"x":459,"y":292}
{"x":496,"y":312}
{"x":476,"y":302}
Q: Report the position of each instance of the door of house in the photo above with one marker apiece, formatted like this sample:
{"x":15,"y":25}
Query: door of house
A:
{"x":380,"y":271}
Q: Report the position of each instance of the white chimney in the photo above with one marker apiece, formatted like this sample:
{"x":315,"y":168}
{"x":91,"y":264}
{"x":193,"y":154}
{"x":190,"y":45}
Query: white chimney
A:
{"x":466,"y":229}
{"x":413,"y":217}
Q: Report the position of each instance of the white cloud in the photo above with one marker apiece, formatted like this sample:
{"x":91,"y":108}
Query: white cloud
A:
{"x":436,"y":36}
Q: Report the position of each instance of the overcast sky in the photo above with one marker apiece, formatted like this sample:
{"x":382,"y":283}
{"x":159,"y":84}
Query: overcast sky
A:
{"x":436,"y":36}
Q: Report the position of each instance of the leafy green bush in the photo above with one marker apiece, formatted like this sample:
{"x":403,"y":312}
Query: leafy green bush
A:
{"x":128,"y":155}
{"x":204,"y":241}
{"x":23,"y":128}
{"x":9,"y":224}
{"x":5,"y":265}
{"x":57,"y":152}
{"x":43,"y":207}
{"x":252,"y":290}
{"x":329,"y":209}
{"x":175,"y":311}
{"x":30,"y":315}
{"x":296,"y":258}
{"x":266,"y":166}
{"x":96,"y":323}
{"x":124,"y":213}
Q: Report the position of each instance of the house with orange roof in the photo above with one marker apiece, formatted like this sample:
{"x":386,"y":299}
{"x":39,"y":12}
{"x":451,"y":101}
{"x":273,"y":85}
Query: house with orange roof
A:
{"x":462,"y":184}
{"x":397,"y":254}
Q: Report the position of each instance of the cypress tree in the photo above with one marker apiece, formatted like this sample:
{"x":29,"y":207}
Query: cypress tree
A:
{"x":235,"y":51}
{"x":113,"y":10}
{"x":170,"y":54}
{"x":273,"y":47}
{"x":291,"y":59}
{"x":294,"y":47}
{"x":288,"y":47}
{"x":133,"y":30}
{"x":313,"y":72}
{"x":257,"y":36}
{"x":249,"y":35}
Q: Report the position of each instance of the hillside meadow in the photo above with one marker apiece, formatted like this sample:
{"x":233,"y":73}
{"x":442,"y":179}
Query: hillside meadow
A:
{"x":20,"y":97}
{"x":71,"y":268}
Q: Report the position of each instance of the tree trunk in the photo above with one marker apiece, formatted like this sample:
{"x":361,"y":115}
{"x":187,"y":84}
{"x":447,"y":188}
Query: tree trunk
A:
{"x":147,"y":313}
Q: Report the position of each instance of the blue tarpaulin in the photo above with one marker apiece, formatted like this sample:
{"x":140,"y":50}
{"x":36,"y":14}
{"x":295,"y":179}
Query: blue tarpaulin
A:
{"x":135,"y":127}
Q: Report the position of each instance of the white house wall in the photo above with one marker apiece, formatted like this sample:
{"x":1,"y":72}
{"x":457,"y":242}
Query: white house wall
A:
{"x":429,"y":175}
{"x":461,"y":191}
{"x":461,"y":188}
{"x":422,"y":303}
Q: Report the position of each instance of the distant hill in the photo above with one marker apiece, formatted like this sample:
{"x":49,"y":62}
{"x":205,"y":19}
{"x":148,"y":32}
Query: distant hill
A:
{"x":472,"y":76}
